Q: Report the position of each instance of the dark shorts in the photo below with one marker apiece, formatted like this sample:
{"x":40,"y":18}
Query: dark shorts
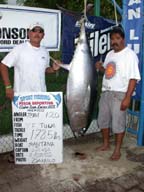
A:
{"x":110,"y":115}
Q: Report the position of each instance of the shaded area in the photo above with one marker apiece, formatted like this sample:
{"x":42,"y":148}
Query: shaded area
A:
{"x":83,"y":170}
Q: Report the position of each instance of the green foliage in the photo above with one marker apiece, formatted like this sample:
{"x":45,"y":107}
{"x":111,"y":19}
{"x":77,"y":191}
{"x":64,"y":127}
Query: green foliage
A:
{"x":77,"y":5}
{"x":106,"y":6}
{"x":57,"y":82}
{"x":5,"y":109}
{"x":5,"y":106}
{"x":107,"y":9}
{"x":3,"y":2}
{"x":51,"y":4}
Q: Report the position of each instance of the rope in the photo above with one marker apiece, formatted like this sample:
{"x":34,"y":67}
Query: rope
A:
{"x":53,"y":59}
{"x":57,"y":72}
{"x":115,"y":11}
{"x":85,"y":9}
{"x":84,"y":17}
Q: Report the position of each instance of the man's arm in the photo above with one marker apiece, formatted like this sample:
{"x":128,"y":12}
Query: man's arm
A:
{"x":50,"y":70}
{"x":126,"y":101}
{"x":6,"y":80}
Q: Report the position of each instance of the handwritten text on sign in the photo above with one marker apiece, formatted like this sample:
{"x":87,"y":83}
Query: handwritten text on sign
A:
{"x":37,"y":127}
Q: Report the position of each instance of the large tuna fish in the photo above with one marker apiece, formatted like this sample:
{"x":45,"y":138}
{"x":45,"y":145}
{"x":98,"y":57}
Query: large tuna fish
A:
{"x":81,"y":86}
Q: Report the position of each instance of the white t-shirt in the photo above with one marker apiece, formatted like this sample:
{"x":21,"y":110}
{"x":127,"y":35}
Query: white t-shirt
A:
{"x":120,"y":67}
{"x":29,"y":65}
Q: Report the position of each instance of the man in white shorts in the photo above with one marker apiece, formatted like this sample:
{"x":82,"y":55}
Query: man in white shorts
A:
{"x":121,"y":74}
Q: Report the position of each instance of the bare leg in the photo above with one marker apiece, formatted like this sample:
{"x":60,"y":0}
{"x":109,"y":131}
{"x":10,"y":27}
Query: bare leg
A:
{"x":106,"y":144}
{"x":119,"y":139}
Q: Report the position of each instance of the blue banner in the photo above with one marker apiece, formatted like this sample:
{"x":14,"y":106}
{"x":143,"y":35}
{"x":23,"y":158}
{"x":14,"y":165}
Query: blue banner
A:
{"x":97,"y":29}
{"x":133,"y":24}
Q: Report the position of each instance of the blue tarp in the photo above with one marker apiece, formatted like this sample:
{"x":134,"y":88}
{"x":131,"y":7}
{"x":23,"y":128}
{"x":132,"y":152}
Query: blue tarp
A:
{"x":70,"y":31}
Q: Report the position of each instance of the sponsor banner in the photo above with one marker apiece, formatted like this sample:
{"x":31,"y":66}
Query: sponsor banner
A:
{"x":133,"y":24}
{"x":15,"y":21}
{"x":97,"y":29}
{"x":37,"y":127}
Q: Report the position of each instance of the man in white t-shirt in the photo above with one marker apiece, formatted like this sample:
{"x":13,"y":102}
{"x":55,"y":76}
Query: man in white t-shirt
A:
{"x":121,"y":74}
{"x":30,"y":62}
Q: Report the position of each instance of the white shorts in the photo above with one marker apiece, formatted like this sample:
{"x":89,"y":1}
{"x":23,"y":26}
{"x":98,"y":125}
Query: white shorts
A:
{"x":110,"y":115}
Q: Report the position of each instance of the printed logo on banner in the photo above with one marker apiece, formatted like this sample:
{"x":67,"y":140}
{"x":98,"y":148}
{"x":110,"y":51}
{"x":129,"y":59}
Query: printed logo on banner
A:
{"x":88,"y":24}
{"x":37,"y":101}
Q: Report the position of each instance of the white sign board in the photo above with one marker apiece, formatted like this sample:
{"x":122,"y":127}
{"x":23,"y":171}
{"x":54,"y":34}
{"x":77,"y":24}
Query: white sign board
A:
{"x":15,"y":21}
{"x":37,"y":127}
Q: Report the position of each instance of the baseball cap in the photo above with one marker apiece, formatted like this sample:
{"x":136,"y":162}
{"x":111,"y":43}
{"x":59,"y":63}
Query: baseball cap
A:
{"x":36,"y":24}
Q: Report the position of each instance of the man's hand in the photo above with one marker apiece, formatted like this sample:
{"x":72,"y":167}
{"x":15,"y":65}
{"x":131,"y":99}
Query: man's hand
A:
{"x":99,"y":67}
{"x":125,"y":103}
{"x":56,"y":65}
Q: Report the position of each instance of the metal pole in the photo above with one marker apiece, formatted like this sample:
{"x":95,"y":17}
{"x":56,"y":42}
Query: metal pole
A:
{"x":97,"y":7}
{"x":140,"y":131}
{"x":140,"y":139}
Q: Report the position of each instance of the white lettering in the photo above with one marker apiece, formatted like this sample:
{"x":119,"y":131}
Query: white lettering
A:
{"x":95,"y":43}
{"x":99,"y":43}
{"x":132,"y":35}
{"x":103,"y":44}
{"x":87,"y":25}
{"x":131,"y":2}
{"x":134,"y":13}
{"x":91,"y":42}
{"x":135,"y":47}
